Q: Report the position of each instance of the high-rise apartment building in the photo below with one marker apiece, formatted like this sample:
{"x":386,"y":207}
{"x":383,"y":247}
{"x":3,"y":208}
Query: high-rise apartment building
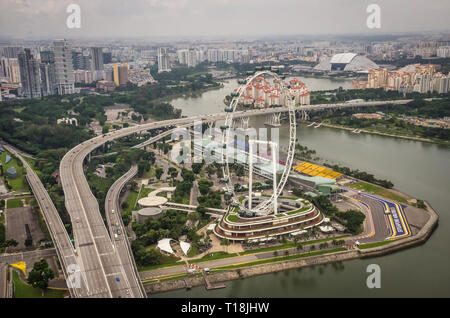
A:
{"x":120,"y":74}
{"x":14,"y":71}
{"x":182,"y":56}
{"x":29,"y":75}
{"x":48,"y":73}
{"x":192,"y":58}
{"x":11,"y":52}
{"x":163,"y":60}
{"x":4,"y":67}
{"x":65,"y":80}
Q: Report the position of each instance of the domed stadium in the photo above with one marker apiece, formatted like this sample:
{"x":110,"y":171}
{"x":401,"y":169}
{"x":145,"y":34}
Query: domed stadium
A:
{"x":350,"y":62}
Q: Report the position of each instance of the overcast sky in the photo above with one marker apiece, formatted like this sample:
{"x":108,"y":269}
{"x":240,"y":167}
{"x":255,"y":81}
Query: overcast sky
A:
{"x":129,"y":18}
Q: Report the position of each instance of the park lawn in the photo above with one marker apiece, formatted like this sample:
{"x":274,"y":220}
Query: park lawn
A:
{"x":31,"y":201}
{"x":192,"y":251}
{"x":305,"y":208}
{"x":232,"y":217}
{"x":213,"y":256}
{"x":374,"y":189}
{"x":375,"y":244}
{"x":18,"y":184}
{"x":131,"y":201}
{"x":144,"y":192}
{"x":23,"y":290}
{"x":14,"y":203}
{"x":150,"y":173}
{"x":166,"y":261}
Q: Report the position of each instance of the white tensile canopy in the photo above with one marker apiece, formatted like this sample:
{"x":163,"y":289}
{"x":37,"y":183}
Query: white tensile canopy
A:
{"x":185,"y":247}
{"x":164,"y":245}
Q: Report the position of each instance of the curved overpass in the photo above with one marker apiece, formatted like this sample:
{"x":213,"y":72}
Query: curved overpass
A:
{"x":118,"y":232}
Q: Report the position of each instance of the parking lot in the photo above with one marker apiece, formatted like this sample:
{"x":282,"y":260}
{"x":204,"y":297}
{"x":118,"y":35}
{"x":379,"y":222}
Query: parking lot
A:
{"x":16,"y":220}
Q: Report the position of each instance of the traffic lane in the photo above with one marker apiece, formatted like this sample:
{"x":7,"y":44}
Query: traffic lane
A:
{"x":18,"y":257}
{"x":115,"y":224}
{"x":379,"y":221}
{"x":100,"y":249}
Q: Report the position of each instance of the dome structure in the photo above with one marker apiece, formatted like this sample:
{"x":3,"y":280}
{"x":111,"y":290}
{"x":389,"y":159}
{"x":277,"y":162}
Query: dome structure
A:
{"x":350,"y":62}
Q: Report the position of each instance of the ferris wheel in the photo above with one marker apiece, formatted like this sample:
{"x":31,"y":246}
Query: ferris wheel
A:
{"x":267,"y":206}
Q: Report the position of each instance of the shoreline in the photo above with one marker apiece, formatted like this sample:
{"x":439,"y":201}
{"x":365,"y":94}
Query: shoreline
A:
{"x":420,"y":238}
{"x":443,"y":143}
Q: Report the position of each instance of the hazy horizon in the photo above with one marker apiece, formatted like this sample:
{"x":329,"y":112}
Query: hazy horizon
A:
{"x":32,"y":19}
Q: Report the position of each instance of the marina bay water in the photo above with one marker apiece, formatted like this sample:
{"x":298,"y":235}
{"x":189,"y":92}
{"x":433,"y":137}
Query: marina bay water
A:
{"x":417,"y":168}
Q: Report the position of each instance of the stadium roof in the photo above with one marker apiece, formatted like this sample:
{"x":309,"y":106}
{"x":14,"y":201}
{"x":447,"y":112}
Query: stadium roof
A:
{"x":343,"y":58}
{"x":346,"y":62}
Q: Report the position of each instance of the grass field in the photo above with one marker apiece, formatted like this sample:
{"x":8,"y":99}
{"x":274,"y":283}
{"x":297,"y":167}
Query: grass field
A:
{"x":18,"y":184}
{"x":144,"y":192}
{"x":131,"y":201}
{"x":166,"y":261}
{"x":14,"y":203}
{"x":376,"y":244}
{"x":193,"y":251}
{"x":212,"y":256}
{"x":22,"y":290}
{"x":386,"y":193}
{"x":232,"y":218}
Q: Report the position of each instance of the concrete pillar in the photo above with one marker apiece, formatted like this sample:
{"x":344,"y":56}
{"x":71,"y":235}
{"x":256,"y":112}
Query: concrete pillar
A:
{"x":274,"y":159}
{"x":250,"y":173}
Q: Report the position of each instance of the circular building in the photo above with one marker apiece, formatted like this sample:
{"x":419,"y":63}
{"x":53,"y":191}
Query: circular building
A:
{"x":149,"y":213}
{"x":152,"y":201}
{"x":350,"y":62}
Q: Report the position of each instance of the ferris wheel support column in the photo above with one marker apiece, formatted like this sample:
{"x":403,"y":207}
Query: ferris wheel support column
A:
{"x":250,"y":174}
{"x":274,"y":159}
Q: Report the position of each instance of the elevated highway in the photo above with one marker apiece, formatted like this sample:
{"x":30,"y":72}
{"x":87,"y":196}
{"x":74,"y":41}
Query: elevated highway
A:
{"x":63,"y":245}
{"x":118,"y":232}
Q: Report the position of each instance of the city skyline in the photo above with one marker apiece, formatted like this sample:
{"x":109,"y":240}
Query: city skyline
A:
{"x":183,"y":18}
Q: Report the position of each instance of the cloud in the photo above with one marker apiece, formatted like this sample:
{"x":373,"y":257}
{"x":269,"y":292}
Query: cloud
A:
{"x":128,"y":18}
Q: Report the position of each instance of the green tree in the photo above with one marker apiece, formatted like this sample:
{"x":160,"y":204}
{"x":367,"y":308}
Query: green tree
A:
{"x":159,"y":172}
{"x":40,"y":275}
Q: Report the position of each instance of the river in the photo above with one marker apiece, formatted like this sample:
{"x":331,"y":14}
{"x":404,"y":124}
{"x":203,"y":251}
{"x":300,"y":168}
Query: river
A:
{"x":417,"y":168}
